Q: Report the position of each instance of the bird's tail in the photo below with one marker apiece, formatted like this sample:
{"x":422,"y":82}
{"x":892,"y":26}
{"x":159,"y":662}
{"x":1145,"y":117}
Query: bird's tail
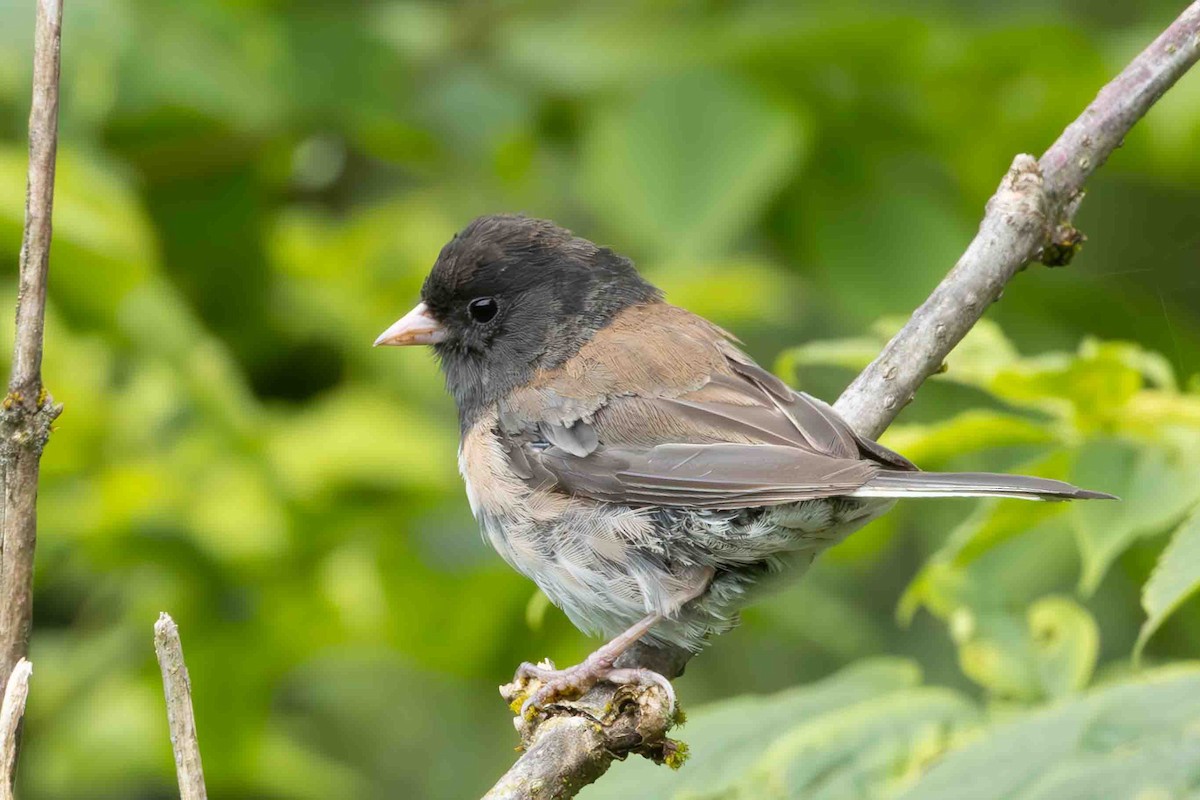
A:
{"x":893,"y":483}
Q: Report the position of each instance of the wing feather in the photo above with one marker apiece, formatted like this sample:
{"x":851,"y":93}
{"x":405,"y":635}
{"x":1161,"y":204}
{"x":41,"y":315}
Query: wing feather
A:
{"x":661,"y":409}
{"x":713,"y":430}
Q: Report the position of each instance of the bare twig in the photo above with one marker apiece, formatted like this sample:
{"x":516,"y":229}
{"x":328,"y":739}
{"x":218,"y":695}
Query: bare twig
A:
{"x":11,"y":712}
{"x":1030,"y":210}
{"x":27,"y":410}
{"x":1030,"y":213}
{"x":177,"y":687}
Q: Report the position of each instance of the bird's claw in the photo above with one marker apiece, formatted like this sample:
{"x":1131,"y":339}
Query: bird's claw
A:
{"x":573,"y":682}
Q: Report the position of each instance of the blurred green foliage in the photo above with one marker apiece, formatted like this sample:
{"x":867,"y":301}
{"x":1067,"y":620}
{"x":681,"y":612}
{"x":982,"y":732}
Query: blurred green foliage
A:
{"x":249,"y":191}
{"x":871,"y":731}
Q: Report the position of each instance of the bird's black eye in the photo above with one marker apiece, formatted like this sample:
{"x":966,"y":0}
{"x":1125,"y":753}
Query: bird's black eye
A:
{"x":482,"y":309}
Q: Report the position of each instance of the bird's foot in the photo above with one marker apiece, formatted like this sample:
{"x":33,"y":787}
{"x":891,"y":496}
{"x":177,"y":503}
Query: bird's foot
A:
{"x":576,"y":681}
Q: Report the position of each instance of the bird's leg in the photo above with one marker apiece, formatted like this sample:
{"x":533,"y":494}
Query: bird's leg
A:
{"x":577,"y":680}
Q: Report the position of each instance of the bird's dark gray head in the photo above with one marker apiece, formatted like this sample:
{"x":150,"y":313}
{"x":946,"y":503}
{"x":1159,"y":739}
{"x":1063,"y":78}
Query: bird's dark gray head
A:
{"x":510,"y":295}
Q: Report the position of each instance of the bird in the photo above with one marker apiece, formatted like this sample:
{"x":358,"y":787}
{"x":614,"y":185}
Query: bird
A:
{"x":629,"y":458}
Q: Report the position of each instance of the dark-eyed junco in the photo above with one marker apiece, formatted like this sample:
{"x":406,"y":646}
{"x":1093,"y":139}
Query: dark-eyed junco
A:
{"x":626,"y":456}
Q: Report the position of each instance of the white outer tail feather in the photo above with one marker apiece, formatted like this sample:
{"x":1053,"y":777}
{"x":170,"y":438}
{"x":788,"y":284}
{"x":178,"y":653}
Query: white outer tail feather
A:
{"x":890,"y":483}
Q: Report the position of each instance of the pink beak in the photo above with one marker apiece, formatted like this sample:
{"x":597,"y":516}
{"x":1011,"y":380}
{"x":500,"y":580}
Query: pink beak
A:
{"x":415,"y":327}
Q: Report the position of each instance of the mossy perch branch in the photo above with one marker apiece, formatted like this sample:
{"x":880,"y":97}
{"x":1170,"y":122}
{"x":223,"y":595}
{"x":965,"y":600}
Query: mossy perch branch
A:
{"x":1027,"y":220}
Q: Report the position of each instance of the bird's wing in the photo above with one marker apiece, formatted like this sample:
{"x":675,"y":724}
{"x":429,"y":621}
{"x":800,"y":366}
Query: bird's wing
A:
{"x":664,"y":410}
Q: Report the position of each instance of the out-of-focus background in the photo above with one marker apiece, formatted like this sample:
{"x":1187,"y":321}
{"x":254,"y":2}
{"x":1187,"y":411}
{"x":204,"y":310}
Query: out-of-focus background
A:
{"x":248,"y":192}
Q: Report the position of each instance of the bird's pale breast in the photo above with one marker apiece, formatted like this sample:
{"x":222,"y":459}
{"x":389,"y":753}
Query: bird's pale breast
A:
{"x":607,"y":565}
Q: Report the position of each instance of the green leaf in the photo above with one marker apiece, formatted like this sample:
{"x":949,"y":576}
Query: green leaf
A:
{"x":1049,"y":653}
{"x":1156,"y":484}
{"x":1065,"y":643}
{"x":726,"y":739}
{"x":1174,"y":580}
{"x":953,"y":577}
{"x":970,"y":431}
{"x":1003,"y":557}
{"x":1156,"y":770}
{"x":689,"y":164}
{"x":1118,"y":742}
{"x":1151,"y":411}
{"x":865,"y":750}
{"x":1089,"y":389}
{"x":994,"y":651}
{"x":998,"y":520}
{"x":868,"y":732}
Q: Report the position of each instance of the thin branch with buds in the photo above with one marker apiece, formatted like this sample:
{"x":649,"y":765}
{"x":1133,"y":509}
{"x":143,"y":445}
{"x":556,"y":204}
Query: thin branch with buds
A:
{"x":1028,"y":219}
{"x":27,"y":411}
